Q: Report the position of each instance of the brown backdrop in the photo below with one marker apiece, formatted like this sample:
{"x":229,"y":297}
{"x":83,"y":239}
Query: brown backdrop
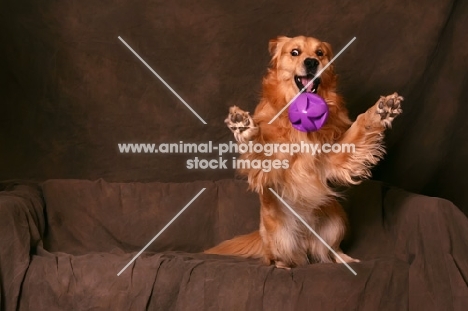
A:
{"x":70,"y":90}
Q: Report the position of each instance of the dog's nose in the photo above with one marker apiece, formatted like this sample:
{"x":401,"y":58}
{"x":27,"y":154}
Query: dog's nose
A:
{"x":311,"y":63}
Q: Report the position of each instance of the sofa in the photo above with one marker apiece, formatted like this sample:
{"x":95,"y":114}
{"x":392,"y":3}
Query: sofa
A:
{"x":63,"y":242}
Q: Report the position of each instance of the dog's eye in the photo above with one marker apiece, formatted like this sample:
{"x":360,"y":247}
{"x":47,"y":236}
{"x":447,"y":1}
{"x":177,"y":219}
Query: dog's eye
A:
{"x":295,"y":52}
{"x":319,"y":53}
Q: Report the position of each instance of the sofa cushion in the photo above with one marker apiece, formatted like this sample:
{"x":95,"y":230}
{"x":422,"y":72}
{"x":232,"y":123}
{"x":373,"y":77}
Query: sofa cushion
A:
{"x":97,"y":216}
{"x":181,"y":281}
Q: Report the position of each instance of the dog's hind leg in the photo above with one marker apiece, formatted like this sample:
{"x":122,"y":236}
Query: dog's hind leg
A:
{"x":331,"y":226}
{"x":281,"y":234}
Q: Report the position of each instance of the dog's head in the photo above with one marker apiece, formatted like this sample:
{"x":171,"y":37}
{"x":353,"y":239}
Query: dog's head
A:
{"x":297,"y":60}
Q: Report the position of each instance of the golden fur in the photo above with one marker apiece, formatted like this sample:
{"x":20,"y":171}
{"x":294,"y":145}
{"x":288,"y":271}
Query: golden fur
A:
{"x":282,"y":239}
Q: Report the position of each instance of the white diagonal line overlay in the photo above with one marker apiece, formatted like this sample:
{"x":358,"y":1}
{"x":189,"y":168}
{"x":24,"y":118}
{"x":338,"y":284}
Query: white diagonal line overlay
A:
{"x":312,"y":81}
{"x":162,"y":230}
{"x":162,"y":80}
{"x":313,"y":231}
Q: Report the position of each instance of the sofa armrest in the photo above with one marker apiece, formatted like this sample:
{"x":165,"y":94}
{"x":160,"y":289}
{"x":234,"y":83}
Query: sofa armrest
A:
{"x":22,"y":225}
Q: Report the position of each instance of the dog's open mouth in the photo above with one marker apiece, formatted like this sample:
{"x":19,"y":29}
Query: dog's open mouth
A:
{"x":302,"y":81}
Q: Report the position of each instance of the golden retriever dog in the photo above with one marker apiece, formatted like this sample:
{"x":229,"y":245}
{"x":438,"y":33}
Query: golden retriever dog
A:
{"x":307,"y":184}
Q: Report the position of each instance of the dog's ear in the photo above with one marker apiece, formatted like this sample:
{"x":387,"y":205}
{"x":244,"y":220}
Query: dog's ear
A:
{"x":276,"y":44}
{"x":328,"y":49}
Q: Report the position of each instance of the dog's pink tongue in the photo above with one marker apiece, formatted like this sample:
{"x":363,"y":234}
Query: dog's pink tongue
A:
{"x":305,"y":81}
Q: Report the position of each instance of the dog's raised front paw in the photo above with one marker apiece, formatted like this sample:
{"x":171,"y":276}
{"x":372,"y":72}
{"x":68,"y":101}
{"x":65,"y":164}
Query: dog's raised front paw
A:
{"x":389,"y":107}
{"x":241,"y":124}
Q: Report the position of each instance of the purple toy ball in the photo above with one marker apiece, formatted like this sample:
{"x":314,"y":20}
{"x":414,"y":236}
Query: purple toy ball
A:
{"x":308,"y":112}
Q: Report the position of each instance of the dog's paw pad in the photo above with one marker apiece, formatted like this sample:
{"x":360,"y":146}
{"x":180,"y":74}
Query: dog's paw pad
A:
{"x":389,"y":107}
{"x":241,"y":124}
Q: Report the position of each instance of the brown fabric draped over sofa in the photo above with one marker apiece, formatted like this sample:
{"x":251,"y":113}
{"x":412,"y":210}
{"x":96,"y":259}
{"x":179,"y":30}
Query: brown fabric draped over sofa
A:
{"x":63,"y":243}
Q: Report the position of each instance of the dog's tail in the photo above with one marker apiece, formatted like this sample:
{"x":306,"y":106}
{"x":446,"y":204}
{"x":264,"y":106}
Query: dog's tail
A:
{"x":249,"y":245}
